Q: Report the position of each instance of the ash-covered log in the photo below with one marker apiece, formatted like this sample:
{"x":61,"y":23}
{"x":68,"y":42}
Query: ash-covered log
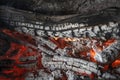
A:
{"x":109,"y":54}
{"x":66,"y":63}
{"x":110,"y":76}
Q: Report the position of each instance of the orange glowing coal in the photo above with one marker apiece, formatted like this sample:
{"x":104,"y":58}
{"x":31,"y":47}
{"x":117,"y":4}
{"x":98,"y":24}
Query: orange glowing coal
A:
{"x":116,"y":63}
{"x":67,"y":39}
{"x":25,"y":51}
{"x":95,"y":47}
{"x":92,"y":54}
{"x":109,"y":42}
{"x":19,"y":54}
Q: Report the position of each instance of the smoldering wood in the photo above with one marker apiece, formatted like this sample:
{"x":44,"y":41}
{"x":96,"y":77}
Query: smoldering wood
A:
{"x":109,"y":54}
{"x":47,"y":42}
{"x":81,"y":21}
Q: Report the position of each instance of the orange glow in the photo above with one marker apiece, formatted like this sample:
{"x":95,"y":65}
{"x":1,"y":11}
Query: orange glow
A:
{"x":18,"y":73}
{"x":116,"y":63}
{"x":92,"y":54}
{"x":67,"y":39}
{"x":108,"y":42}
{"x":60,"y":42}
{"x":70,"y":39}
{"x":106,"y":67}
{"x":63,"y":42}
{"x":15,"y":53}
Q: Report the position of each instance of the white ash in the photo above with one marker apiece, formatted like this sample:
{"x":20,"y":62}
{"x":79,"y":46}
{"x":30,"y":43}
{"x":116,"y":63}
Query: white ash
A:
{"x":47,"y":42}
{"x":71,"y":75}
{"x":40,"y":32}
{"x":57,"y":74}
{"x":42,"y":75}
{"x":109,"y":76}
{"x":92,"y":67}
{"x":64,"y":65}
{"x":109,"y":54}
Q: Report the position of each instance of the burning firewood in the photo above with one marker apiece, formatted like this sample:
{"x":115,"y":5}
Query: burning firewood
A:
{"x":56,"y":58}
{"x":109,"y":54}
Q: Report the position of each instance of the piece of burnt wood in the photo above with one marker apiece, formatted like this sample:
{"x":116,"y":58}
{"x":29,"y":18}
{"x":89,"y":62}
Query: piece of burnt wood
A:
{"x":98,"y":26}
{"x":109,"y":54}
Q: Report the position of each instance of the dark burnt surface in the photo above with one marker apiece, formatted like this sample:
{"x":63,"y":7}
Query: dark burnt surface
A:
{"x":62,"y":7}
{"x":21,"y":4}
{"x":35,"y":16}
{"x":5,"y":48}
{"x":91,"y":12}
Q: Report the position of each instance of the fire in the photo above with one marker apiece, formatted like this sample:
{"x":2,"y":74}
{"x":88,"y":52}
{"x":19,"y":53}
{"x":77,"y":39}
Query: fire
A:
{"x":92,"y":54}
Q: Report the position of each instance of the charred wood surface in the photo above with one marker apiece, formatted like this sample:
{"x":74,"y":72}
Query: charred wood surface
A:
{"x":77,"y":26}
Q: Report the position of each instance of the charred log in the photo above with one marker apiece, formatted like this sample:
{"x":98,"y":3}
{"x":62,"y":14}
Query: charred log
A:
{"x":30,"y":23}
{"x":109,"y":54}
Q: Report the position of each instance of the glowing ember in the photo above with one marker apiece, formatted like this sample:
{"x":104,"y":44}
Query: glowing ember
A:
{"x":24,"y":59}
{"x":30,"y":55}
{"x":116,"y":63}
{"x":92,"y":53}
